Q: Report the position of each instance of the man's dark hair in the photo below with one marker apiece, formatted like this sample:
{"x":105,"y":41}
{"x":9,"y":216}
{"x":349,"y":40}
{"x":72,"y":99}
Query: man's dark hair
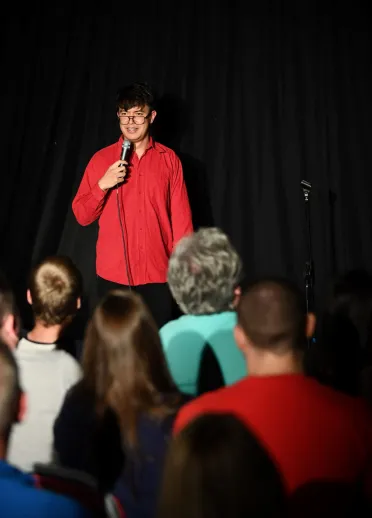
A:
{"x":272,"y":314}
{"x":135,"y":94}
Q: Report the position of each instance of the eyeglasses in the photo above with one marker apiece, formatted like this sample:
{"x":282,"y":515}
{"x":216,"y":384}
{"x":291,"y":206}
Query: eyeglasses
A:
{"x":137,"y":119}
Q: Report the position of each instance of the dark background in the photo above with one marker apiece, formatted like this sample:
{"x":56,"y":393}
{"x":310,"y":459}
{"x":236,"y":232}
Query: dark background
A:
{"x":253,"y":102}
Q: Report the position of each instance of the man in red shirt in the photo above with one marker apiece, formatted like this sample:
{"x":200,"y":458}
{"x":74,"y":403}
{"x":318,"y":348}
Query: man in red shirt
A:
{"x":313,"y":432}
{"x":141,"y":205}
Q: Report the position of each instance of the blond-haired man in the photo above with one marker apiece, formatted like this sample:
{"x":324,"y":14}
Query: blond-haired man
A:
{"x":46,"y":371}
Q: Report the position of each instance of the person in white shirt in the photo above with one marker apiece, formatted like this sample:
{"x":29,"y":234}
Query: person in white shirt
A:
{"x":46,"y":372}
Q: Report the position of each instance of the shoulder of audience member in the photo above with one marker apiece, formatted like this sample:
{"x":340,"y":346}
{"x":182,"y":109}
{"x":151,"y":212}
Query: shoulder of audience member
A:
{"x":41,"y":502}
{"x":196,"y":405}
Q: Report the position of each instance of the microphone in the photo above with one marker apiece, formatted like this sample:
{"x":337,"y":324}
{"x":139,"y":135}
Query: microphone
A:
{"x":125,"y":149}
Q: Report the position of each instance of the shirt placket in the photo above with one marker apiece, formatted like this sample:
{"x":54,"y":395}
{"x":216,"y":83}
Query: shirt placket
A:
{"x":141,"y":218}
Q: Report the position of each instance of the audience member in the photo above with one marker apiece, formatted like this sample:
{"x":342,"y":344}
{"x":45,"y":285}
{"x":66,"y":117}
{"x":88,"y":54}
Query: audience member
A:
{"x":217,"y":468}
{"x":19,"y":497}
{"x":125,"y":380}
{"x":313,"y":432}
{"x":203,"y":275}
{"x":9,"y":319}
{"x":343,"y":346}
{"x":46,"y":372}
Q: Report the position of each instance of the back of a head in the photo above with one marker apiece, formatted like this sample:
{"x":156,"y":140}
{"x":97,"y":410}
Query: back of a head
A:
{"x":203,"y":272}
{"x":217,"y":468}
{"x":123,"y":360}
{"x":55,"y":287}
{"x":135,"y":94}
{"x":9,"y":390}
{"x":272,"y":315}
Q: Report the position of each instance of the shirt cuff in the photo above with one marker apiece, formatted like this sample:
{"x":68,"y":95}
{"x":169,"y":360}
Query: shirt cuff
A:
{"x":98,"y":193}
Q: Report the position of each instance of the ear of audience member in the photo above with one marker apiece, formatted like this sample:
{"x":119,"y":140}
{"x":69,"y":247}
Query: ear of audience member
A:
{"x":124,"y":372}
{"x":216,"y":468}
{"x":47,"y":373}
{"x":203,"y":275}
{"x":9,"y":316}
{"x":19,"y":495}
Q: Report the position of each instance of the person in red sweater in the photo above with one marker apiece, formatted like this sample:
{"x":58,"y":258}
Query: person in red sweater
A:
{"x":313,"y":432}
{"x":148,"y":191}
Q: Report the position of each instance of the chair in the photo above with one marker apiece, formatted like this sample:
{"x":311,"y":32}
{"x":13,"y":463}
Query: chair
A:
{"x":78,"y":486}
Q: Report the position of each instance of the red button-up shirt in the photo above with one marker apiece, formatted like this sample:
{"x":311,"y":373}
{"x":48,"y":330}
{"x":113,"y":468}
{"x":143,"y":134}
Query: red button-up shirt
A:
{"x":154,"y":208}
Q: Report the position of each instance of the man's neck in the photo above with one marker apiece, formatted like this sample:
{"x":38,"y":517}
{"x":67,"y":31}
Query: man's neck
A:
{"x":140,"y":147}
{"x":268,"y":364}
{"x":42,"y":334}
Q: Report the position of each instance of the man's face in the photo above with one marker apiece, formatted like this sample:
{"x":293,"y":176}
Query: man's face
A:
{"x":135,"y":122}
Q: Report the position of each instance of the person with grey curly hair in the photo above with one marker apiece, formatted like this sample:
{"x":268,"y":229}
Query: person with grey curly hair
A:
{"x":204,"y":273}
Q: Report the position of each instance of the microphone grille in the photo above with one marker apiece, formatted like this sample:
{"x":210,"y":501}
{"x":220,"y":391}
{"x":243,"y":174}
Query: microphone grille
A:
{"x":126,"y":143}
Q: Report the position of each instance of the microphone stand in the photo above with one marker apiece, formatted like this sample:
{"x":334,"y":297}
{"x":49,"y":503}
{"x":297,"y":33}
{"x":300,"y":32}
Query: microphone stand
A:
{"x":309,"y":264}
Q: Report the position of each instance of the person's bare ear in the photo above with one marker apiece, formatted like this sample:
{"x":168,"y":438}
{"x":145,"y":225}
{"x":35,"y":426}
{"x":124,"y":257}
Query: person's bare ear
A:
{"x":310,"y":325}
{"x":29,"y":298}
{"x":78,"y":303}
{"x":237,"y":295}
{"x":152,"y":116}
{"x":240,"y":338}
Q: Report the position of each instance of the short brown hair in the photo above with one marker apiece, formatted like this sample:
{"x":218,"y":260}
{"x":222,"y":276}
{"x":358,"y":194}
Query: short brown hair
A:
{"x":55,"y":285}
{"x":272,"y":314}
{"x":10,"y":390}
{"x":124,"y":363}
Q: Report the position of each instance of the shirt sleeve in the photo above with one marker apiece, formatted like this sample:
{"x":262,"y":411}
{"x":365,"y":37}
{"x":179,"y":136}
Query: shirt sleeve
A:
{"x":89,"y":200}
{"x":179,"y":204}
{"x":72,"y":372}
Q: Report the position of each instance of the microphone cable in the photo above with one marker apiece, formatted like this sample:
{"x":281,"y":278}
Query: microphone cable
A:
{"x":123,"y":236}
{"x":125,"y":148}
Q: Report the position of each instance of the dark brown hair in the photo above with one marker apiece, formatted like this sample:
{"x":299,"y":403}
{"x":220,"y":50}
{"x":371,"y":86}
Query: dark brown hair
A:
{"x":136,"y":94}
{"x":124,"y":364}
{"x":217,"y":468}
{"x":55,"y":285}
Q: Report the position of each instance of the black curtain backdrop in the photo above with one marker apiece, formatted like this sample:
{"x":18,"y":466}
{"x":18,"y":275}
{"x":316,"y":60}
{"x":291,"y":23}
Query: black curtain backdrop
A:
{"x":253,"y":103}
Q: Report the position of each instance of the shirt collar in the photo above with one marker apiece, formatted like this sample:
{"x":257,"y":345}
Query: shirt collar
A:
{"x":28,"y":345}
{"x":152,"y":144}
